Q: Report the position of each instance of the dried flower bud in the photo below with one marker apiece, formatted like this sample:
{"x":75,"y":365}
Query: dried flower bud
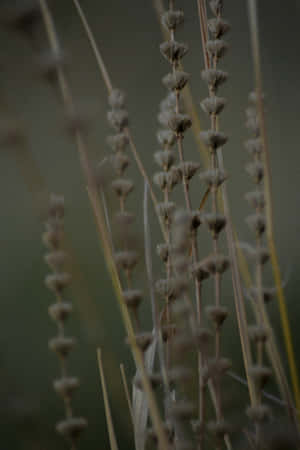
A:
{"x":260,"y":375}
{"x":171,"y":288}
{"x":173,"y":51}
{"x":56,"y":259}
{"x":57,"y":281}
{"x":256,"y":171}
{"x":61,"y":345}
{"x":213,"y":139}
{"x":258,"y":333}
{"x":164,"y":159}
{"x":60,"y":311}
{"x":199,"y":271}
{"x":71,"y":427}
{"x":126,"y":260}
{"x":179,"y":123}
{"x":122,"y":187}
{"x":256,"y":222}
{"x":216,"y":264}
{"x":218,"y":27}
{"x":217,"y":314}
{"x":161,"y":180}
{"x":213,"y":105}
{"x":118,"y":118}
{"x":216,"y":7}
{"x":254,"y":146}
{"x":188,"y":169}
{"x":214,"y":77}
{"x":166,"y":138}
{"x":214,"y":178}
{"x":175,"y":80}
{"x":215,"y":221}
{"x":119,"y":162}
{"x":165,"y":210}
{"x":118,"y":142}
{"x":258,"y":413}
{"x":256,"y":199}
{"x":216,"y":48}
{"x":66,"y":386}
{"x":172,"y":19}
{"x":116,"y":99}
{"x":132,"y":298}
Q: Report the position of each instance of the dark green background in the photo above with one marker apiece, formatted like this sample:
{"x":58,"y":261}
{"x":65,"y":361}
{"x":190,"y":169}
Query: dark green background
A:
{"x":129,"y":37}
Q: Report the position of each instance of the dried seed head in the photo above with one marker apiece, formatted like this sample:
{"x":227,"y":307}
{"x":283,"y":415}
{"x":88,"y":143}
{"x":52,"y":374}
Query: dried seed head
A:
{"x":196,"y":219}
{"x":203,"y":338}
{"x":143,"y":340}
{"x":214,"y":77}
{"x":188,"y":169}
{"x":52,"y":238}
{"x":126,"y":260}
{"x":163,"y":251}
{"x":258,"y":413}
{"x":213,"y":139}
{"x":216,"y":48}
{"x":268,"y":293}
{"x":71,"y":427}
{"x":161,"y":180}
{"x":216,"y":7}
{"x":56,"y":259}
{"x":199,"y":271}
{"x":218,"y":27}
{"x":219,"y":429}
{"x":62,"y":345}
{"x":171,"y":288}
{"x":66,"y":386}
{"x":175,"y":80}
{"x":118,"y":142}
{"x":172,"y":19}
{"x":179,"y":123}
{"x":164,"y":159}
{"x":166,"y":138}
{"x":122,"y":187}
{"x":217,"y":314}
{"x":258,"y":333}
{"x":60,"y":311}
{"x":213,"y":105}
{"x":261,"y":254}
{"x":169,"y":103}
{"x":166,"y":210}
{"x":260,"y":375}
{"x":182,"y":410}
{"x":132,"y":298}
{"x":256,"y":171}
{"x":256,"y":222}
{"x":118,"y":118}
{"x":116,"y":99}
{"x":120,"y":162}
{"x":215,"y":221}
{"x":56,"y":282}
{"x":254,"y":146}
{"x":216,"y":264}
{"x":214,"y":178}
{"x":256,"y":199}
{"x":173,"y":51}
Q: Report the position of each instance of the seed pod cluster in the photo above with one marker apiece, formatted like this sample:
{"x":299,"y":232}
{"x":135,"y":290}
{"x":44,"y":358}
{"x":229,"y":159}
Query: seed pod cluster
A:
{"x":57,"y":281}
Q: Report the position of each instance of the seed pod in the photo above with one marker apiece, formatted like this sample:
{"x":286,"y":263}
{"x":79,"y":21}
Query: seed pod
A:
{"x":66,"y":386}
{"x":188,"y":169}
{"x":216,"y":264}
{"x":61,"y":345}
{"x":179,"y":123}
{"x":214,"y":178}
{"x":215,"y":221}
{"x":253,"y":125}
{"x":199,"y":271}
{"x":164,"y":159}
{"x":216,"y":368}
{"x":71,"y":427}
{"x":213,"y":139}
{"x":56,"y":259}
{"x":213,"y":105}
{"x":173,"y":51}
{"x":172,"y":19}
{"x":122,"y":187}
{"x":166,"y":138}
{"x":118,"y":118}
{"x":116,"y":99}
{"x":214,"y":77}
{"x":57,"y":281}
{"x":256,"y":199}
{"x":118,"y":142}
{"x":218,"y":27}
{"x":171,"y":288}
{"x":256,"y":171}
{"x":258,"y":333}
{"x":60,"y":311}
{"x":254,"y":146}
{"x":175,"y":80}
{"x":132,"y":298}
{"x":216,"y":48}
{"x":120,"y":162}
{"x":126,"y":260}
{"x":256,"y":222}
{"x":165,"y":210}
{"x":161,"y":180}
{"x":143,"y":340}
{"x":260,"y":375}
{"x":217,"y":314}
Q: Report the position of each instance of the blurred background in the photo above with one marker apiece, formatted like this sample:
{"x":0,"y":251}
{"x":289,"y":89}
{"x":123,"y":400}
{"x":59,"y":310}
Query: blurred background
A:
{"x":129,"y":35}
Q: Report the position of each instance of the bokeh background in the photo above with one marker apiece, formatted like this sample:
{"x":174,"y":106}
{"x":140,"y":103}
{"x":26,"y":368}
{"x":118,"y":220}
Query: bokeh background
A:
{"x":129,"y":36}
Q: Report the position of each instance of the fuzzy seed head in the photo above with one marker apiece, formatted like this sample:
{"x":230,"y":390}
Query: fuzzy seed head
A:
{"x":60,"y":311}
{"x":61,"y":345}
{"x":122,"y":187}
{"x":179,"y":123}
{"x":164,"y":159}
{"x":166,"y":138}
{"x":175,"y":81}
{"x":126,"y":260}
{"x":118,"y":142}
{"x":71,"y":427}
{"x":116,"y":99}
{"x":66,"y":386}
{"x":214,"y":178}
{"x":173,"y":51}
{"x":172,"y":19}
{"x":213,"y":105}
{"x":257,"y":223}
{"x":214,"y":78}
{"x":132,"y":298}
{"x":57,"y":282}
{"x":118,"y":118}
{"x":213,"y":139}
{"x":218,"y":27}
{"x":216,"y":48}
{"x":217,"y":314}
